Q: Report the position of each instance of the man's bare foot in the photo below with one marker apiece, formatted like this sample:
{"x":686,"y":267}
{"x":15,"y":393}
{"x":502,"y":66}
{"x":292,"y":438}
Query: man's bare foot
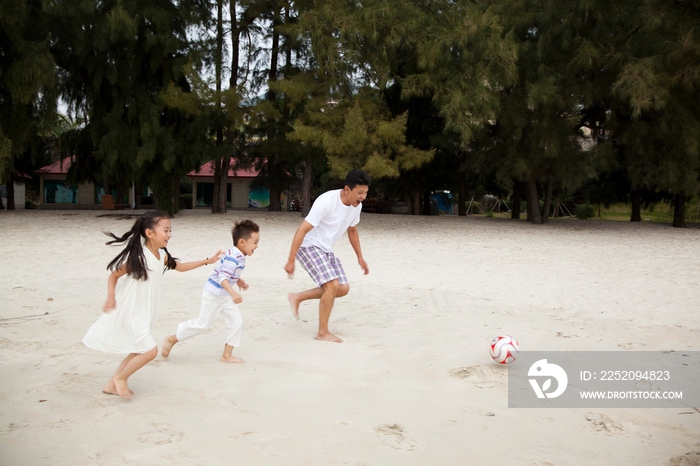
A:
{"x":111,"y":389}
{"x":121,"y":388}
{"x":231,"y":359}
{"x":328,"y":337}
{"x":294,"y":303}
{"x":168,"y":345}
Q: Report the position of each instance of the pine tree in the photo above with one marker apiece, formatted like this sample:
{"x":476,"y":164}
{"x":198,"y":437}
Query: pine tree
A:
{"x":27,"y":87}
{"x":116,"y":58}
{"x":659,"y":80}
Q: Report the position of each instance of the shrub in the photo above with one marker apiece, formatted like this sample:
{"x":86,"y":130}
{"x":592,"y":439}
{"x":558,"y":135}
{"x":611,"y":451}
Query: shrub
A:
{"x":584,"y":211}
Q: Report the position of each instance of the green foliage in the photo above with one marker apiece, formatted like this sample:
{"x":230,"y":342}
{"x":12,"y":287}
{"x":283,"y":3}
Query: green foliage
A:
{"x":27,"y":82}
{"x":584,"y":211}
{"x":469,"y":95}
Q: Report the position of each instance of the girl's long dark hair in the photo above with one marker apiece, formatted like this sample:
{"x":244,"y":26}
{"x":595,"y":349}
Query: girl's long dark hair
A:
{"x":132,"y":255}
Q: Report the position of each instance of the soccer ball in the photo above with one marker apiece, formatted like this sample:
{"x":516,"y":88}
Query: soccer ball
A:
{"x":504,"y":349}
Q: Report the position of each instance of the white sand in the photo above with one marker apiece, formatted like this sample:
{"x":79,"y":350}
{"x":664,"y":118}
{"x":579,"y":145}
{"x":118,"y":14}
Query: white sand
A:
{"x":439,"y":289}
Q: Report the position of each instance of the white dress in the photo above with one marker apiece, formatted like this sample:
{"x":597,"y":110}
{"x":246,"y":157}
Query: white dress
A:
{"x":128,"y":327}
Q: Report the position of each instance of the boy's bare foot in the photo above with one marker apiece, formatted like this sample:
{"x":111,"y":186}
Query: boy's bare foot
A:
{"x":121,"y":388}
{"x":328,"y":337}
{"x":231,"y":359}
{"x":294,"y":302}
{"x":168,"y":345}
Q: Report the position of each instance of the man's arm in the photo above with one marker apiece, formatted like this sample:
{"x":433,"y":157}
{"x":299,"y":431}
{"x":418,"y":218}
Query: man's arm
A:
{"x":303,"y":229}
{"x":354,"y":237}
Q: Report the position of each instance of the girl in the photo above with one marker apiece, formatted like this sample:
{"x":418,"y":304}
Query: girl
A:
{"x":128,"y":320}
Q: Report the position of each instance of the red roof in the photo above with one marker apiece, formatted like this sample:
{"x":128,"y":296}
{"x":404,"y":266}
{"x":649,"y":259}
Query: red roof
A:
{"x":57,"y":168}
{"x":207,"y":170}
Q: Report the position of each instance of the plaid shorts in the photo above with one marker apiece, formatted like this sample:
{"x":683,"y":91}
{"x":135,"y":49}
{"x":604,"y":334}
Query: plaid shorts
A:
{"x":322,"y":266}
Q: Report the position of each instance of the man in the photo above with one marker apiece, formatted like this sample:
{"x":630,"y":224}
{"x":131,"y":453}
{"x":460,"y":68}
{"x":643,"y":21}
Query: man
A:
{"x":333,"y":213}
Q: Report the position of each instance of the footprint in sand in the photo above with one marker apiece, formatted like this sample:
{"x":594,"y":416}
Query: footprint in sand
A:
{"x":603,"y":423}
{"x":481,"y":376}
{"x":631,"y":346}
{"x":61,"y":423}
{"x":8,"y":428}
{"x":689,"y":459}
{"x":164,"y":434}
{"x":393,"y":436}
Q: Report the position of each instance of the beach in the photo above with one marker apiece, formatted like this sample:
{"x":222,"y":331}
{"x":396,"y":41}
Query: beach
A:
{"x":413,"y":382}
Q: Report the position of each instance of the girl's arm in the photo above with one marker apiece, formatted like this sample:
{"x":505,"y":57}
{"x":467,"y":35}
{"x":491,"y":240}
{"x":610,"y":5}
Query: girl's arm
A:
{"x":185,"y":266}
{"x":111,"y":303}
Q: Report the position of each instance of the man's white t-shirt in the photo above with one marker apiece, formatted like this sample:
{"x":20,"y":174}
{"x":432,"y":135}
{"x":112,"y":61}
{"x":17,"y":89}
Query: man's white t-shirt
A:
{"x":330,"y":219}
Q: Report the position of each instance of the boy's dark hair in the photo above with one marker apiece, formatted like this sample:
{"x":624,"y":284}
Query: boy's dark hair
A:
{"x":132,"y":255}
{"x":356,"y":177}
{"x":243,"y":230}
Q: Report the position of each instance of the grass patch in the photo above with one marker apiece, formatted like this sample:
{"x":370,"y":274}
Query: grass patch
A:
{"x":661,"y":212}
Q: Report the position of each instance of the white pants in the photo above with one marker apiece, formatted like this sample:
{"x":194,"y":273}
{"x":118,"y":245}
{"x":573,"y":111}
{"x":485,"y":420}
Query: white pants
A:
{"x":211,"y":306}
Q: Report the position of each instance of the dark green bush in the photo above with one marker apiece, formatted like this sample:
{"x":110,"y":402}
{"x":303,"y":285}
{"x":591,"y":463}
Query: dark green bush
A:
{"x":584,"y":211}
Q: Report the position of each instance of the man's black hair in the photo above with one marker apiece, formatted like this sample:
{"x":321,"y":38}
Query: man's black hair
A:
{"x":356,"y":177}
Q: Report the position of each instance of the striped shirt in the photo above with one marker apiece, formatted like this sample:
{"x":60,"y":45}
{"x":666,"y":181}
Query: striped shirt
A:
{"x":228,"y":268}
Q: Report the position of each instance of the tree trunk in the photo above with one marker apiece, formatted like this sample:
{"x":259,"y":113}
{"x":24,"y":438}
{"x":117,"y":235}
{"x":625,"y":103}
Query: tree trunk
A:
{"x":217,"y":188}
{"x":636,"y":206}
{"x":220,"y":164}
{"x":427,"y":208}
{"x":678,"y":211}
{"x":235,"y":43}
{"x":462,"y":194}
{"x":10,"y":193}
{"x":119,"y":198}
{"x":416,"y":201}
{"x":174,"y":195}
{"x":306,"y":186}
{"x":272,"y":97}
{"x":223,"y":184}
{"x":2,"y":206}
{"x":528,"y":203}
{"x":547,"y":201}
{"x":517,"y":199}
{"x":533,"y":202}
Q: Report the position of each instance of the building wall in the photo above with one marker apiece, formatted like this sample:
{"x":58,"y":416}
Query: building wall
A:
{"x":86,"y":194}
{"x":19,"y":196}
{"x":239,"y":193}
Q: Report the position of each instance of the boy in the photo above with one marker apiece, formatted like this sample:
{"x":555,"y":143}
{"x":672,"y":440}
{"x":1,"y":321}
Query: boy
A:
{"x":219,"y":296}
{"x":333,"y":213}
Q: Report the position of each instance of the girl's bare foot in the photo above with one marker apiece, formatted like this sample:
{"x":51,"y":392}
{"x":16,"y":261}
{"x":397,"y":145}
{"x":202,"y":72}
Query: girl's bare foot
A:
{"x":231,"y":359}
{"x":168,"y":345}
{"x":110,"y":389}
{"x":122,"y":389}
{"x":328,"y":336}
{"x":294,"y":303}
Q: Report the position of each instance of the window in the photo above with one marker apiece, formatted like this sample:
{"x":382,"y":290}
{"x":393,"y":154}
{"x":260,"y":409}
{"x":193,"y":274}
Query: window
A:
{"x":59,"y":192}
{"x":205,"y":194}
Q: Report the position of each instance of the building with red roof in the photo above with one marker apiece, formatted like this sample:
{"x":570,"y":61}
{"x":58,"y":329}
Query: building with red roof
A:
{"x":57,"y":193}
{"x":239,"y":194}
